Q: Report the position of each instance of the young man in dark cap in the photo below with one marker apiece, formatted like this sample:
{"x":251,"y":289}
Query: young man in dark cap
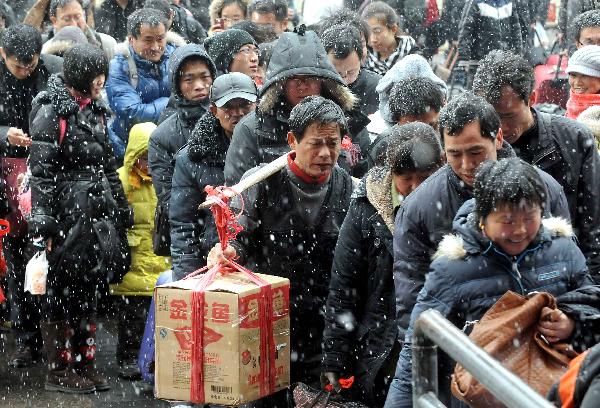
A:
{"x":201,"y":163}
{"x":233,"y":50}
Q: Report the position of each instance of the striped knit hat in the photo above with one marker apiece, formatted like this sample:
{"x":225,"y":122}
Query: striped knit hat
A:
{"x":586,"y":61}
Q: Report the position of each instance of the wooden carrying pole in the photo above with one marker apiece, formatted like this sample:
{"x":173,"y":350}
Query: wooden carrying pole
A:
{"x":259,"y":175}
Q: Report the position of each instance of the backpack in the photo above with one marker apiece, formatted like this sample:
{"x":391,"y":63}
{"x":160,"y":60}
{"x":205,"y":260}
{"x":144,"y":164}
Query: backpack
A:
{"x":24,"y":190}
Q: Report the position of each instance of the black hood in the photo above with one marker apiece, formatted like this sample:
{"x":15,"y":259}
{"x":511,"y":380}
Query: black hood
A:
{"x":178,"y":58}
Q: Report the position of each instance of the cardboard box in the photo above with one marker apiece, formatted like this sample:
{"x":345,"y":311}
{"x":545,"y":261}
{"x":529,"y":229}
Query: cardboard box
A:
{"x":231,"y":339}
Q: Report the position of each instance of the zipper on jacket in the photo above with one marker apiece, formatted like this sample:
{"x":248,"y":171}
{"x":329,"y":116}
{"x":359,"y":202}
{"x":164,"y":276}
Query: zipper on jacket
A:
{"x":517,"y":274}
{"x":536,"y":161}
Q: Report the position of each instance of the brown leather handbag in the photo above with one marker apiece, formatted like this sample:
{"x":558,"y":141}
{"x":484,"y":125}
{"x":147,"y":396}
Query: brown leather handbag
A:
{"x":508,"y":332}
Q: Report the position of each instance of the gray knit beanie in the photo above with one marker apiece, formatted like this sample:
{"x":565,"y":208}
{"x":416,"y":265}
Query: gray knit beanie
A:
{"x":586,"y":61}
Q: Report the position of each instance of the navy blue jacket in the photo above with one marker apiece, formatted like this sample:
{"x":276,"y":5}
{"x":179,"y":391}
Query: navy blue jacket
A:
{"x":425,"y":217}
{"x":469,"y":274}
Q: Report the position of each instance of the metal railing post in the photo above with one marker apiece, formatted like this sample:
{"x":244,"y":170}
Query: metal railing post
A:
{"x":424,"y":366}
{"x":503,"y":384}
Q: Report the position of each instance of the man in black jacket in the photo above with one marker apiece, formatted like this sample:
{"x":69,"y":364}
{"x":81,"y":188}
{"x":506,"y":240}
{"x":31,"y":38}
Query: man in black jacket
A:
{"x":110,"y":17}
{"x":291,"y":224}
{"x":560,"y":146}
{"x":191,"y":72}
{"x":472,"y":134}
{"x":23,"y":73}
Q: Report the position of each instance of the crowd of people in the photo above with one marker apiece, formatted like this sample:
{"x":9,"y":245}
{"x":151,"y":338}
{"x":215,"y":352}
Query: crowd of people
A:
{"x":399,"y":195}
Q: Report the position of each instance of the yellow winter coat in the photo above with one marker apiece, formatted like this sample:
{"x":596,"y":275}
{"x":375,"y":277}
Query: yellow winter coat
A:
{"x":145,"y":265}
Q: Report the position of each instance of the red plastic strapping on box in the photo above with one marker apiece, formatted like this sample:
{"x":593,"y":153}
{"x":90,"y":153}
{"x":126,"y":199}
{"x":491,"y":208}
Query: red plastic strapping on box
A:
{"x":228,"y":228}
{"x":226,"y":220}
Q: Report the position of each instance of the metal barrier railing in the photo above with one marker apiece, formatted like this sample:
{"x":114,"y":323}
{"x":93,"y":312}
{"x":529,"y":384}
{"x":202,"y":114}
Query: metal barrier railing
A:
{"x":433,"y":330}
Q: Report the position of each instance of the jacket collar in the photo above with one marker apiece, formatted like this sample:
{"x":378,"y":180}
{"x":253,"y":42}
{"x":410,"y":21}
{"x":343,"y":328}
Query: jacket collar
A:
{"x":208,"y":142}
{"x":378,"y":186}
{"x":543,"y":144}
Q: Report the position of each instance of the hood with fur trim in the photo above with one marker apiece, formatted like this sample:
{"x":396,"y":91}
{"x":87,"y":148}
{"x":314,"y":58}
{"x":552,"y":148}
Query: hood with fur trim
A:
{"x":467,"y":238}
{"x":378,"y":186}
{"x":302,"y":54}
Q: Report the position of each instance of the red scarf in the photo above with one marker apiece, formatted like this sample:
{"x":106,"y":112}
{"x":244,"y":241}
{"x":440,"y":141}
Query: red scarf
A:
{"x":577,"y":103}
{"x":301,"y":174}
{"x":82,"y":102}
{"x":432,"y":13}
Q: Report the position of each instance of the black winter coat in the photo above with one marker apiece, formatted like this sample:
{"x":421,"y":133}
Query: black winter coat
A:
{"x":172,"y":134}
{"x":566,"y":150}
{"x":76,"y":195}
{"x":278,"y":241}
{"x":111,"y":19}
{"x":17,"y":97}
{"x":187,"y":26}
{"x":469,"y":274}
{"x":483,"y":31}
{"x":261,"y":136}
{"x":362,"y":288}
{"x":197,"y":165}
{"x":425,"y":217}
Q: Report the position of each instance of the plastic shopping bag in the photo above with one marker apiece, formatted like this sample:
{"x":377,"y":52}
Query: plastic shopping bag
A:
{"x":36,"y":273}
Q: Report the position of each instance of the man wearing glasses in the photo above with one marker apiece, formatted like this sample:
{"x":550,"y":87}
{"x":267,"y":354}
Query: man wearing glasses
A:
{"x":233,"y":50}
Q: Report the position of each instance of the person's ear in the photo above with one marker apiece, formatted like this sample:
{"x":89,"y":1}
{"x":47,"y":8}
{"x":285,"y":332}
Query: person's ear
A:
{"x":53,"y":20}
{"x":291,"y":139}
{"x":499,"y":139}
{"x":394,"y":28}
{"x":532,"y":98}
{"x":3,"y":53}
{"x":482,"y":226}
{"x":213,"y":110}
{"x":130,"y":39}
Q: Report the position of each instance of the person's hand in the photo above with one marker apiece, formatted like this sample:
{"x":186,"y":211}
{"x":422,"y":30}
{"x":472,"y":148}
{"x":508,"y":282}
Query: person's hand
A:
{"x":332,"y":378}
{"x":560,"y":37}
{"x":17,"y":137}
{"x":216,"y":255}
{"x":555,"y":325}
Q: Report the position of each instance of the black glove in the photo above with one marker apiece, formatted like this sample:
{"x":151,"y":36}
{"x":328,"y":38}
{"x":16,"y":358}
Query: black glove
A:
{"x":331,"y":378}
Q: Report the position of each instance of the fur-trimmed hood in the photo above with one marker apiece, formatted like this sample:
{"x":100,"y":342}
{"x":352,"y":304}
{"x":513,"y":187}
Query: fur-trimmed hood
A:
{"x":57,"y":47}
{"x":467,"y":238}
{"x":216,"y":7}
{"x":377,"y":187}
{"x":302,"y":54}
{"x":62,"y":101}
{"x":208,"y":143}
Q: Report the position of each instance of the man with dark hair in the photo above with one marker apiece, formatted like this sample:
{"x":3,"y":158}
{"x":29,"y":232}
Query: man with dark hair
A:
{"x":64,"y":13}
{"x":178,"y":21}
{"x":585,"y":29}
{"x":560,"y":146}
{"x":416,"y":99}
{"x":110,"y":16}
{"x":471,"y":134}
{"x":23,"y":74}
{"x":291,"y":223}
{"x":579,"y":23}
{"x":345,"y":17}
{"x":269,"y":12}
{"x":138,"y":86}
{"x":345,"y":52}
